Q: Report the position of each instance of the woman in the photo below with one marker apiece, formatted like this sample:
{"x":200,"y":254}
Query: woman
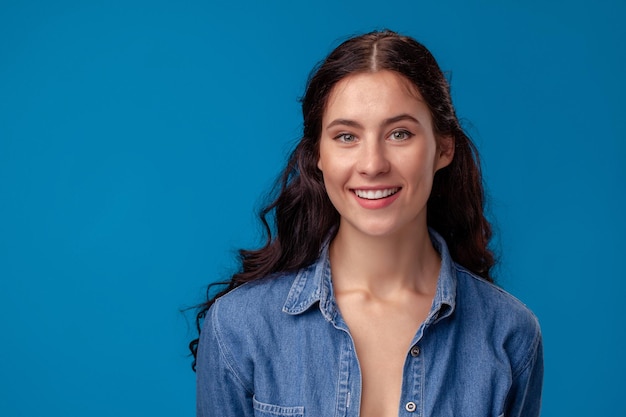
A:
{"x":374,"y":295}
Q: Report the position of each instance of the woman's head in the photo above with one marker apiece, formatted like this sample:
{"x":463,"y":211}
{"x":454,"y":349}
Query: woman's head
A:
{"x":455,"y":207}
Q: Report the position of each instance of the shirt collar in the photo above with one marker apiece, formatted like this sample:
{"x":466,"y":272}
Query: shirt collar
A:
{"x":313,"y":284}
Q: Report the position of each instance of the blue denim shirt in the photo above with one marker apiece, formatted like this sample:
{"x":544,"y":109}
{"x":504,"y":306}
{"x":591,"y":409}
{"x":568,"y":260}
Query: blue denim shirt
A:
{"x":279,"y":347}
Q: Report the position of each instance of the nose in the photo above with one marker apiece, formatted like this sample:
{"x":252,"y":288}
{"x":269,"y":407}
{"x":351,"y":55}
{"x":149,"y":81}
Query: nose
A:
{"x":372,"y":160}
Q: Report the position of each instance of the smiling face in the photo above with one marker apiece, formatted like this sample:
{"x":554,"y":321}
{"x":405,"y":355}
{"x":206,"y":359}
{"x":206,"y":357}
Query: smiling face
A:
{"x":379,"y":154}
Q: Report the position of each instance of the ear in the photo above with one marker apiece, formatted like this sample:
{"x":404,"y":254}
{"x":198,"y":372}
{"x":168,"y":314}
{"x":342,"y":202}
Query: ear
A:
{"x":319,"y":164}
{"x":445,"y":152}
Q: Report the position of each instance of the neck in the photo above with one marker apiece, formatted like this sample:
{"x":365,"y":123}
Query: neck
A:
{"x":384,"y":264}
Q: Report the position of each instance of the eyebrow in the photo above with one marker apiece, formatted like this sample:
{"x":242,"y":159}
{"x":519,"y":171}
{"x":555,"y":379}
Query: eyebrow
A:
{"x":386,"y":122}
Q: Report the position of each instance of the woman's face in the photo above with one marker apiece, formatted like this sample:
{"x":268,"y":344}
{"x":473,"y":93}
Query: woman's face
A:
{"x":378,"y":154}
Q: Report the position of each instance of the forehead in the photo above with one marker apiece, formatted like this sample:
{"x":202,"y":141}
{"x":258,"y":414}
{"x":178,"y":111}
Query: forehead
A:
{"x":369,"y":93}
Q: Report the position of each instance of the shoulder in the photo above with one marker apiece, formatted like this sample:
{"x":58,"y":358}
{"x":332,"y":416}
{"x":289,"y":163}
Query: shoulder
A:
{"x":505,"y":319}
{"x":490,"y":299}
{"x":240,"y":324}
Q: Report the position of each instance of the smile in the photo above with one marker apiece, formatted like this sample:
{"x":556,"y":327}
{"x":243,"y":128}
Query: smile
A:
{"x":376,"y":194}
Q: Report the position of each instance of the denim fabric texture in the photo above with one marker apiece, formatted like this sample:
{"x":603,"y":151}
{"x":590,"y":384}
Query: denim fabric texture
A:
{"x":279,"y":347}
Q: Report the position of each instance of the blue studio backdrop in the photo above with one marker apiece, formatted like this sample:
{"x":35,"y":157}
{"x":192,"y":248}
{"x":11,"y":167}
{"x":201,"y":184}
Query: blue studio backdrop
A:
{"x":137,"y":139}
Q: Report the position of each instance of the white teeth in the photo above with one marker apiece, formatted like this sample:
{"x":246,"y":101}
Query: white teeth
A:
{"x":376,"y":194}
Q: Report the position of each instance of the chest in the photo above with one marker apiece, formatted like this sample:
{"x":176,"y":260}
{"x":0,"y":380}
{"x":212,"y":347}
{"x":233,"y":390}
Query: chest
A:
{"x":382,"y":333}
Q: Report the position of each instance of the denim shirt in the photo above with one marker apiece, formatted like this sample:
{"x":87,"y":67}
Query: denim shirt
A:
{"x":280,"y":347}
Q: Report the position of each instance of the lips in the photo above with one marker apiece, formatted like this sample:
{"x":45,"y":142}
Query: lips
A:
{"x":376,"y":194}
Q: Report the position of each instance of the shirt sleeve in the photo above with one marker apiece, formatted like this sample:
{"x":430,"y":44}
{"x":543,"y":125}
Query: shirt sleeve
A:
{"x":220,"y":392}
{"x":524,"y":399}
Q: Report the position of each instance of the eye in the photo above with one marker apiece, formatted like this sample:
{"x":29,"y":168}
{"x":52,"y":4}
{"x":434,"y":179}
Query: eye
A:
{"x":400,"y":135}
{"x":345,"y":137}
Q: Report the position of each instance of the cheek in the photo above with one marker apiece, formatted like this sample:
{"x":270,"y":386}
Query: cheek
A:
{"x":322,"y":155}
{"x":329,"y":163}
{"x":334,"y":178}
{"x":418,"y":163}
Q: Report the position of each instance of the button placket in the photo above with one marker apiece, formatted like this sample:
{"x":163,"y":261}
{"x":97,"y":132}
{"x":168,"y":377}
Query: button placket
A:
{"x":413,"y":394}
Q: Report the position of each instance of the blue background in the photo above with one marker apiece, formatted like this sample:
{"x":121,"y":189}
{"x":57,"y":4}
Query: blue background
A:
{"x":138,"y":138}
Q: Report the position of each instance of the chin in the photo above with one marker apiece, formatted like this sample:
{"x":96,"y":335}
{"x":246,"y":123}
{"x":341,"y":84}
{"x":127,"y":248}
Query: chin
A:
{"x":376,"y":230}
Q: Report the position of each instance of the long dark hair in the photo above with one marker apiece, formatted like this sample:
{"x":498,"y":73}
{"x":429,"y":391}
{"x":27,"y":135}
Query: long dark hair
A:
{"x":302,"y":215}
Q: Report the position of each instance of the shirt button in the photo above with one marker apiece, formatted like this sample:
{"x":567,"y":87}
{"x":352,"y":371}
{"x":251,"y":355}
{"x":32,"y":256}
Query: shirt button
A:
{"x":410,"y":406}
{"x":415,"y":351}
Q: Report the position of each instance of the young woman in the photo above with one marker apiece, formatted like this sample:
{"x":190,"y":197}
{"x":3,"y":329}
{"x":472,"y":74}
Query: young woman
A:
{"x":373,"y":297}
